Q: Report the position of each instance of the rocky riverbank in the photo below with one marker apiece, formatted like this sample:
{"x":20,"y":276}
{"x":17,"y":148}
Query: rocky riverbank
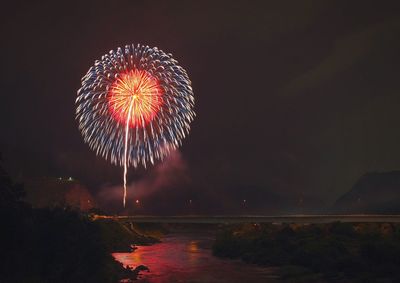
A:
{"x":336,"y":252}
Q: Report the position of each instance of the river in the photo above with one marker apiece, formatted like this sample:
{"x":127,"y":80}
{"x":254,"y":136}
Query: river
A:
{"x":187,"y":258}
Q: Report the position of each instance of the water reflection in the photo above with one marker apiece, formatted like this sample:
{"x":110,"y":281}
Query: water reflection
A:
{"x":188,"y":258}
{"x":192,"y":247}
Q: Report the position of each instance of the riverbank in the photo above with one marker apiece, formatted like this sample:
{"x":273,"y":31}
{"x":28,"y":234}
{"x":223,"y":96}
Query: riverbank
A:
{"x":122,"y":237}
{"x":60,"y":244}
{"x":55,"y":245}
{"x":336,"y":252}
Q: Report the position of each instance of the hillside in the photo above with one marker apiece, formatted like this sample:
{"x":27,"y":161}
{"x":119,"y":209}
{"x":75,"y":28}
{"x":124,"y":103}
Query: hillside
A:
{"x":372,"y":193}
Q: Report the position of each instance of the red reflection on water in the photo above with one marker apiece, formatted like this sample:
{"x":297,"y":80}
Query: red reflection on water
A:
{"x":171,"y":256}
{"x":189,"y":259}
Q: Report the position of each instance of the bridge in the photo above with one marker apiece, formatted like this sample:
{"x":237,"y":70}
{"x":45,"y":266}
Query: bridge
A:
{"x":198,"y":219}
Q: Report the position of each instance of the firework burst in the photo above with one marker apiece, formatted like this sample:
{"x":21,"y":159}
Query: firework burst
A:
{"x":135,"y":106}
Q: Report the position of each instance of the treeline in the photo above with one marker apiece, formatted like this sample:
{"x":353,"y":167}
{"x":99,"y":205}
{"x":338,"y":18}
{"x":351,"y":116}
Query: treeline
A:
{"x":338,"y":252}
{"x":56,"y":244}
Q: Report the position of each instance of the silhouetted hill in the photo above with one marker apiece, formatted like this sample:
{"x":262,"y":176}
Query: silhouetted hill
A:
{"x":372,"y":193}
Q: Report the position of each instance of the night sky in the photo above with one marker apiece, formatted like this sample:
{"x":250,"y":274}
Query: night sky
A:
{"x":295,"y":98}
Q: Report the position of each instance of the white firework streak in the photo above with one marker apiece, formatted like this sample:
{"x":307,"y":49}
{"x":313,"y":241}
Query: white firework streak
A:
{"x":126,"y":148}
{"x":149,"y":141}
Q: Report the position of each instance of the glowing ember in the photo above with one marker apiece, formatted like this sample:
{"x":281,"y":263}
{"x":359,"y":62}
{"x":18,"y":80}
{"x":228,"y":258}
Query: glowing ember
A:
{"x":135,"y":98}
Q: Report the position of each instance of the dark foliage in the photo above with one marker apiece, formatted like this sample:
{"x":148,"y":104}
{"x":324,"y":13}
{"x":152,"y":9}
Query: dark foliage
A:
{"x":337,"y":250}
{"x":51,"y":245}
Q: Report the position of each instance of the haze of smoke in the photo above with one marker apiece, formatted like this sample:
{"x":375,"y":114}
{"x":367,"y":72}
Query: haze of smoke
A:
{"x":170,"y":174}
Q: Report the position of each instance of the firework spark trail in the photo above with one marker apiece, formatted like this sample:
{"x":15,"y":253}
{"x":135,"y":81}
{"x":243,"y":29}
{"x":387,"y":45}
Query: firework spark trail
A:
{"x":128,"y":118}
{"x":135,"y":106}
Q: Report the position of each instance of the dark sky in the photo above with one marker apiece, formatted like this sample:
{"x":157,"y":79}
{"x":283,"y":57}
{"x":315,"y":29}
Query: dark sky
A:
{"x":295,"y":97}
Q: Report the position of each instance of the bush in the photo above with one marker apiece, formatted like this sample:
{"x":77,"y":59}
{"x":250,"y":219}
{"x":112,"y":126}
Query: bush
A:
{"x":51,"y":245}
{"x":338,"y":249}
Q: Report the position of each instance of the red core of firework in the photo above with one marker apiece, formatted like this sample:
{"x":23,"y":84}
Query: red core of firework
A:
{"x":135,"y":96}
